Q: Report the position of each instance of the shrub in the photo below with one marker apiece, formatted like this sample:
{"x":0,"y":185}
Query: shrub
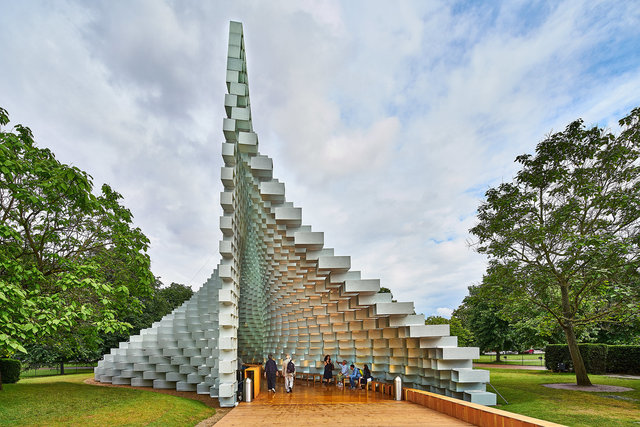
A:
{"x":555,"y":354}
{"x":623,"y":359}
{"x":593,"y":355}
{"x":10,"y":370}
{"x":598,"y":358}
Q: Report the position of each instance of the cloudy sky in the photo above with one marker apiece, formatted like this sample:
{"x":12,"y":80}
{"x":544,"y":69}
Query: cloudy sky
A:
{"x":387,"y":121}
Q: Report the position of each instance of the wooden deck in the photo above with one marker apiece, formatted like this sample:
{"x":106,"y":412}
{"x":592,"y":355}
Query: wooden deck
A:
{"x":316,"y":404}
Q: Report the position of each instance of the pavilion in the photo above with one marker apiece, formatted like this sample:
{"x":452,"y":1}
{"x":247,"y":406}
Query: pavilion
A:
{"x":278,"y":290}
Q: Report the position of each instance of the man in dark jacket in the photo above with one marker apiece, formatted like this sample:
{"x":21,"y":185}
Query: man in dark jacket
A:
{"x":270,"y":371}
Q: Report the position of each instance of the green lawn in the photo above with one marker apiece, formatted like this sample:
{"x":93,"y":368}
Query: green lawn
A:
{"x":513,"y":359}
{"x":71,"y":369}
{"x":66,"y":400}
{"x":526,"y":395}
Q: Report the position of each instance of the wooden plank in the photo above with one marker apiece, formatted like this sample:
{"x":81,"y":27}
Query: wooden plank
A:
{"x":473,"y":413}
{"x":315,"y":404}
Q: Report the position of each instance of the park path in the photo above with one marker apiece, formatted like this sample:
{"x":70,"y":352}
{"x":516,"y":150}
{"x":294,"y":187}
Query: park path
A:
{"x":527,"y":367}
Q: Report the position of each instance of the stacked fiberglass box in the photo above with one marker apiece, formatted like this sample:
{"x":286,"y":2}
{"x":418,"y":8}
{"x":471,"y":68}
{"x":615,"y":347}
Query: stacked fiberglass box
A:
{"x":278,"y":290}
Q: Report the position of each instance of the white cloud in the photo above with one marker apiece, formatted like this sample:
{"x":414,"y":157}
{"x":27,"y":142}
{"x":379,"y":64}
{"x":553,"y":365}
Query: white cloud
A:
{"x":386,"y":121}
{"x":444,"y":312}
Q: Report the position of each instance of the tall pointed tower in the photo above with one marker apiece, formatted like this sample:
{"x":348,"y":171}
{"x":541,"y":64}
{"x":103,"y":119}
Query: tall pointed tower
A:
{"x":278,"y":290}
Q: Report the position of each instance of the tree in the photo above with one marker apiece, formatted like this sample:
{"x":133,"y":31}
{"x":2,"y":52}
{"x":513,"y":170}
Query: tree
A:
{"x":169,"y":298}
{"x":564,"y":234}
{"x":465,"y":337}
{"x":497,"y":326}
{"x":68,"y":258}
{"x":85,"y":344}
{"x":162,"y":301}
{"x":627,"y":333}
{"x":480,"y":312}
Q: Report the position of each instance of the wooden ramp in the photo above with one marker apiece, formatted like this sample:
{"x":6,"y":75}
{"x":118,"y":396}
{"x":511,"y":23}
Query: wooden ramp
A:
{"x":318,"y":405}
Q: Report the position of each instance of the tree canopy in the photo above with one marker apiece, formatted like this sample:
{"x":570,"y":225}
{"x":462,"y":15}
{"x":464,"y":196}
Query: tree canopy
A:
{"x":69,"y":259}
{"x":564,"y":234}
{"x":86,"y":344}
{"x":480,"y":314}
{"x":456,"y":328}
{"x":162,"y":300}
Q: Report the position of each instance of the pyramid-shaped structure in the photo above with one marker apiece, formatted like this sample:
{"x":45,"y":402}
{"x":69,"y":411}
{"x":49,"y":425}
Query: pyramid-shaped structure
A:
{"x":278,"y":290}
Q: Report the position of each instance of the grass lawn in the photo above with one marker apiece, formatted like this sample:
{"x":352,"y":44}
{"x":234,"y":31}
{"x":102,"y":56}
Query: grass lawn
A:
{"x":51,"y":371}
{"x":512,"y":359}
{"x":66,"y":400}
{"x":527,"y":396}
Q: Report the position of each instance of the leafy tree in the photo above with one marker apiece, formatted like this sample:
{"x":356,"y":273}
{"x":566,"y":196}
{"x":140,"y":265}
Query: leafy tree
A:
{"x":480,"y":313}
{"x":68,"y":258}
{"x":498,"y":326}
{"x":85,"y":344}
{"x":80,"y":345}
{"x":161,"y":302}
{"x":627,"y":333}
{"x":564,"y":234}
{"x":465,"y":336}
{"x":169,"y":298}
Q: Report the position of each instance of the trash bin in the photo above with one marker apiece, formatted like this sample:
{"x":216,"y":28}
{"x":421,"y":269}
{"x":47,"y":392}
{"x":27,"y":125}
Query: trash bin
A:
{"x":248,"y":390}
{"x":398,"y":386}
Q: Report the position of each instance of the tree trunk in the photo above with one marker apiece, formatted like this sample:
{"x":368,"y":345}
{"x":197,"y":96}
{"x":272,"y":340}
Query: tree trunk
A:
{"x":576,"y":358}
{"x":0,"y":379}
{"x":497,"y":355}
{"x":582,"y":378}
{"x":61,"y":368}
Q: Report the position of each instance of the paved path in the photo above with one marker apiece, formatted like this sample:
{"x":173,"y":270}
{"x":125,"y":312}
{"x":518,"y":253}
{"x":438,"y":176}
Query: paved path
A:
{"x":318,"y":405}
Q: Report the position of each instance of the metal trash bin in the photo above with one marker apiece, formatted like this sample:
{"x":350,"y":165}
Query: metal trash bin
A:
{"x":398,"y":388}
{"x":248,"y":390}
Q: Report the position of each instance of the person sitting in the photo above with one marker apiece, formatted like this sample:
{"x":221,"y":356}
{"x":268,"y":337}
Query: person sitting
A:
{"x":354,"y":377}
{"x":344,"y":370}
{"x":366,"y":376}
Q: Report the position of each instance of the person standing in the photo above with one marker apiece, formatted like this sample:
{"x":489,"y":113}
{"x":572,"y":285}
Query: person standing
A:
{"x":288,"y":372}
{"x":270,"y":371}
{"x":328,"y":369}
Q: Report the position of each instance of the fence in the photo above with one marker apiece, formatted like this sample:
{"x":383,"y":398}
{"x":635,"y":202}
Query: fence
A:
{"x":69,"y":368}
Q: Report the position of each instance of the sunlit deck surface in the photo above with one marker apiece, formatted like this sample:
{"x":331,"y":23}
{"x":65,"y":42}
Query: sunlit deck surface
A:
{"x":312,"y":405}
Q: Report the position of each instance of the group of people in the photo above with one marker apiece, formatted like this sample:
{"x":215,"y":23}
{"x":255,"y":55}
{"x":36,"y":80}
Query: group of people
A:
{"x":357,"y":377}
{"x":288,"y":372}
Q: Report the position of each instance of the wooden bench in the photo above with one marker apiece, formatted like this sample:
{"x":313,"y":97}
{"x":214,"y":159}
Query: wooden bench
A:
{"x":347,"y":382}
{"x":308,"y":377}
{"x":384,"y":388}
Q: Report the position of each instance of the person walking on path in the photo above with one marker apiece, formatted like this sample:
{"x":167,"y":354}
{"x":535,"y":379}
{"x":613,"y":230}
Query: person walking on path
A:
{"x":288,"y":376}
{"x":270,"y":371}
